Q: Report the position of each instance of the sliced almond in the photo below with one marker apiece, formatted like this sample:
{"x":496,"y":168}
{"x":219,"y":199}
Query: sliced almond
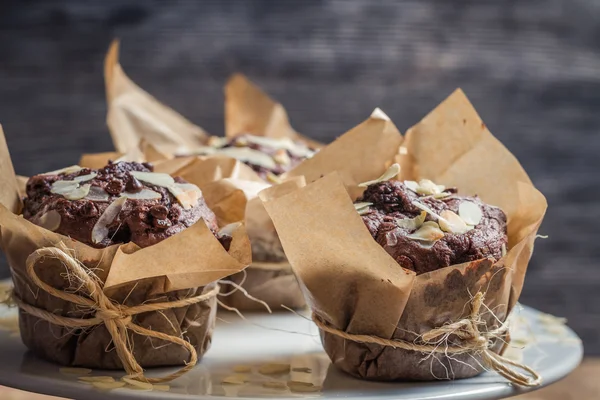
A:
{"x":108,"y":385}
{"x":297,"y":149}
{"x":274,"y":385}
{"x":299,"y":383}
{"x":452,"y":223}
{"x":426,"y":209}
{"x":242,"y":368}
{"x":427,"y":187}
{"x":391,"y":172}
{"x":470,"y":212}
{"x":144,"y":194}
{"x":503,"y":249}
{"x":217,"y":141}
{"x":197,"y":151}
{"x":281,"y":157}
{"x":442,"y":195}
{"x":274,"y":368}
{"x":412,"y":223}
{"x":100,"y":230}
{"x":362,"y":207}
{"x":66,"y":171}
{"x":427,"y":233}
{"x":412,"y":185}
{"x":186,"y":194}
{"x":305,"y":370}
{"x":96,"y":379}
{"x":274,"y":143}
{"x":248,"y":155}
{"x":85,"y":178}
{"x":75,"y":371}
{"x":96,"y":193}
{"x":63,"y":187}
{"x":228,"y":230}
{"x":235,"y":379}
{"x":138,"y":384}
{"x":301,"y":388}
{"x":78,"y":193}
{"x":154,"y":178}
{"x":49,"y":220}
{"x":271,"y":177}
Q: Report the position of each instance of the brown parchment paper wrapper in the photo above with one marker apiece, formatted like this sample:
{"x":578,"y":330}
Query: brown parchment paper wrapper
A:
{"x":133,"y":114}
{"x":354,"y":285}
{"x":184,"y":265}
{"x":248,"y":109}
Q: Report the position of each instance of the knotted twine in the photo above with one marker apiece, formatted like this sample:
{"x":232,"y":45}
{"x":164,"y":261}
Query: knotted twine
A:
{"x":474,"y":341}
{"x":116,"y":317}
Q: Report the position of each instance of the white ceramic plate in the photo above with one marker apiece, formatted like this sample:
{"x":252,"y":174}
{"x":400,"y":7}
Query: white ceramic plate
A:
{"x":550,"y":347}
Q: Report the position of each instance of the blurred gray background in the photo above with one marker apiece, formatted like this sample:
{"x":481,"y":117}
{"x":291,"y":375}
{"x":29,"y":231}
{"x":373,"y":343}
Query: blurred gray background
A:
{"x":532,"y":69}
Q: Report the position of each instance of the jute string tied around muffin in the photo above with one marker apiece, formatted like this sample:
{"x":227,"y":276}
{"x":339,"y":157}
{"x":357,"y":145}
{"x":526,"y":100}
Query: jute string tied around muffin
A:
{"x":116,"y":317}
{"x":473,"y":341}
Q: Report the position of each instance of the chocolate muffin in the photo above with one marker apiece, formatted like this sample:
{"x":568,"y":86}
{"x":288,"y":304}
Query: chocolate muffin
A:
{"x":268,"y":157}
{"x":425,"y":226}
{"x":122,"y":202}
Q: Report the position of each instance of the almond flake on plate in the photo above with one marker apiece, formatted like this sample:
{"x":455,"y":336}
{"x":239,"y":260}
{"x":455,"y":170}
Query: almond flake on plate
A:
{"x":108,"y":385}
{"x":304,"y":370}
{"x":301,"y":387}
{"x":138,"y":384}
{"x":235,"y":379}
{"x":391,"y":172}
{"x":470,"y":212}
{"x":96,"y":379}
{"x":241,"y":368}
{"x":274,"y":368}
{"x":274,"y":385}
{"x":162,"y":388}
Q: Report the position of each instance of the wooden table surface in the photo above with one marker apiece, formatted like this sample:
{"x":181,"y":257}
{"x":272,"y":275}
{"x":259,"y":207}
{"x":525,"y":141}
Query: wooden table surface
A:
{"x":581,"y":385}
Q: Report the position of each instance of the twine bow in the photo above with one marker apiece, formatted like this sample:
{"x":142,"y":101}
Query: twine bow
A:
{"x":116,"y":317}
{"x":474,"y":341}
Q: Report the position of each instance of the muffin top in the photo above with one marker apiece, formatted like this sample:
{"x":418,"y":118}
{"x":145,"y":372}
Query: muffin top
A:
{"x":122,"y":202}
{"x":268,"y":157}
{"x":425,"y":226}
